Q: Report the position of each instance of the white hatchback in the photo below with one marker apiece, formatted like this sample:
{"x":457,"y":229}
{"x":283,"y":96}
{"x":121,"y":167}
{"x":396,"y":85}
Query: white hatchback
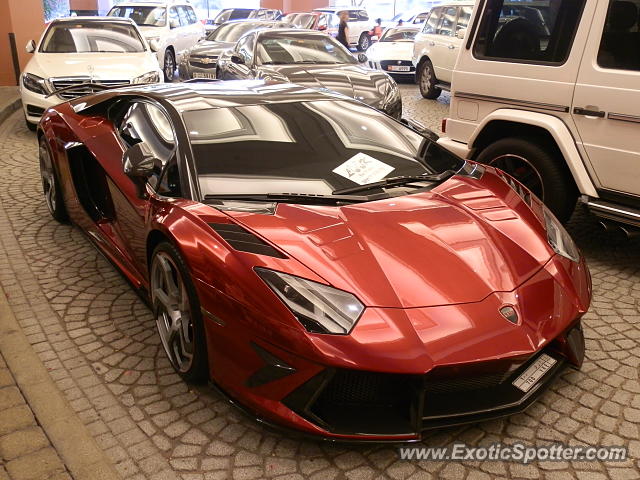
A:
{"x":172,"y":27}
{"x":78,"y":50}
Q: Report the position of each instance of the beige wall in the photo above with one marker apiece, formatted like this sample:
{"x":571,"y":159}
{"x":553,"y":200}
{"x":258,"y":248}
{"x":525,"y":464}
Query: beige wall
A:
{"x":25,"y":18}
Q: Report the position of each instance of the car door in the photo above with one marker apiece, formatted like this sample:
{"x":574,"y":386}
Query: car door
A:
{"x":425,"y":40}
{"x":143,"y":122}
{"x":606,"y":102}
{"x":444,"y":52}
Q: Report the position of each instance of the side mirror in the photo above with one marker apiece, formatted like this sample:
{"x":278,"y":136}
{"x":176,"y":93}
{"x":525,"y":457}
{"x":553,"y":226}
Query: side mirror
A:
{"x":154,"y":45}
{"x":174,"y":23}
{"x":138,"y":164}
{"x":237,"y":59}
{"x":461,"y":33}
{"x":322,"y":28}
{"x":362,"y":58}
{"x":30,"y":47}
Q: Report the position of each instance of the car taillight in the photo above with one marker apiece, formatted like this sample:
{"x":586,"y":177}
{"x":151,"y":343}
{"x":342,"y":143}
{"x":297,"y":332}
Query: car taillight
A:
{"x":444,"y":125}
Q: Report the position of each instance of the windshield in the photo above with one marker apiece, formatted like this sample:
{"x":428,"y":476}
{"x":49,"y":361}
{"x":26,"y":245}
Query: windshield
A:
{"x":301,"y":20}
{"x":300,"y":48}
{"x":232,"y":14}
{"x":231,"y":32}
{"x":314,"y":147}
{"x":143,"y":16}
{"x":92,"y":37}
{"x":398,"y":35}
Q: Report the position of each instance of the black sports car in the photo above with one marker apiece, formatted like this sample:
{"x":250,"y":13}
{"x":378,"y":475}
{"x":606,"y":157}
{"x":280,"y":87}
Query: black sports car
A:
{"x":312,"y":59}
{"x":201,"y":60}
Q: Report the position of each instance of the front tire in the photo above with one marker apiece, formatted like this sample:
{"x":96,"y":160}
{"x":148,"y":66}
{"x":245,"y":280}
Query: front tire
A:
{"x":176,"y":309}
{"x":50,"y":184}
{"x":427,"y":81}
{"x":537,"y":167}
{"x":364,"y":42}
{"x":169,"y":68}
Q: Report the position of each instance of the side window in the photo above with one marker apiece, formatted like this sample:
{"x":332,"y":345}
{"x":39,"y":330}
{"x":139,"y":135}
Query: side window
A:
{"x":245,"y":48}
{"x":463,"y":19}
{"x":191,"y":15}
{"x":145,"y":122}
{"x":534,"y":32}
{"x":431,"y":24}
{"x":174,"y":19}
{"x":363,"y":16}
{"x":184,"y":18}
{"x":447,"y":21}
{"x":620,"y":43}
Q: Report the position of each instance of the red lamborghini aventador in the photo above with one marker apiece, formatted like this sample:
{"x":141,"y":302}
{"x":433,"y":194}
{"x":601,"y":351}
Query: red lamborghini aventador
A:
{"x":329,"y":268}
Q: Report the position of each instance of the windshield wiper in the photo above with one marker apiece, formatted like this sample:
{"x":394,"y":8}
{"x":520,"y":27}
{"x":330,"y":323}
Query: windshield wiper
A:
{"x":396,"y":181}
{"x":293,"y":197}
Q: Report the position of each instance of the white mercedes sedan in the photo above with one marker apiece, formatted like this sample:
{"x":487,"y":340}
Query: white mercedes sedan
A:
{"x":76,"y":52}
{"x":394,"y":51}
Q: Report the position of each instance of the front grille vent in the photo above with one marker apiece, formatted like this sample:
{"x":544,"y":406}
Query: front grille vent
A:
{"x":244,"y":241}
{"x":62,"y":82}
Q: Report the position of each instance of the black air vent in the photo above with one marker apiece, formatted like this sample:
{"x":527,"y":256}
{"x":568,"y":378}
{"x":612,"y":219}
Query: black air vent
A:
{"x":244,"y":241}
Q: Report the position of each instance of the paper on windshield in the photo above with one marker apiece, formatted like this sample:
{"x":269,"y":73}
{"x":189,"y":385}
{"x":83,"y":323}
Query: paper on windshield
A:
{"x":363,"y":169}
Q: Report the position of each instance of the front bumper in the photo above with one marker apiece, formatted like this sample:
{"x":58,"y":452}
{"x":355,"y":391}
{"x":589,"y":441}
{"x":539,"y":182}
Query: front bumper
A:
{"x":34,"y":105}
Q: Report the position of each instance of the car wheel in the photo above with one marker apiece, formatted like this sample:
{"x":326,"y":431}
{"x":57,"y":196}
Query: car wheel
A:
{"x":538,"y":168}
{"x":176,"y":309}
{"x":427,"y":81}
{"x":50,"y":184}
{"x":364,"y":42}
{"x":169,"y":68}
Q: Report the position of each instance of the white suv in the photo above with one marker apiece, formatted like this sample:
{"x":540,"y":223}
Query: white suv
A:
{"x":359,"y":25}
{"x":549,"y":91}
{"x":170,"y":27}
{"x":436,"y":47}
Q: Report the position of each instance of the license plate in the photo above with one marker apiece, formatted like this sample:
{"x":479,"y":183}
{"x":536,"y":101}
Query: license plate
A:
{"x":534,"y":373}
{"x":399,"y":68}
{"x":211,"y":76}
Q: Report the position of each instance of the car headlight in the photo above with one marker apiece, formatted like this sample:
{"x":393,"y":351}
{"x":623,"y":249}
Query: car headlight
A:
{"x":149,"y":77}
{"x":319,"y":308}
{"x":34,"y":83}
{"x":559,"y":238}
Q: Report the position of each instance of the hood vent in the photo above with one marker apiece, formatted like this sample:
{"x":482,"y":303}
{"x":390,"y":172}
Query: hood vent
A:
{"x":244,"y":241}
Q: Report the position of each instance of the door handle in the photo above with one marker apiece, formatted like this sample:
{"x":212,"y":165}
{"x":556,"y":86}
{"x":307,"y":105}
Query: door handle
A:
{"x":589,"y":112}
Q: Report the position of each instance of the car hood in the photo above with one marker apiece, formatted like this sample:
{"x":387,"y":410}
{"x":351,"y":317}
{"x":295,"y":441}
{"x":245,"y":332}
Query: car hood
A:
{"x":390,"y":51}
{"x":108,"y":66}
{"x":207,"y":47}
{"x":456,"y":244}
{"x":354,"y":81}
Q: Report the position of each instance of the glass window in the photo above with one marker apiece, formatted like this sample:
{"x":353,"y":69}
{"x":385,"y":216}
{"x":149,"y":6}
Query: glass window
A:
{"x":183,"y":16}
{"x":143,"y":16}
{"x":431,"y":24}
{"x":535,"y":31}
{"x":287,"y":49}
{"x":174,"y":19}
{"x":399,"y":34}
{"x":447,"y":21}
{"x":191,"y":14}
{"x":620,"y":44}
{"x":463,"y":19}
{"x":105,"y":36}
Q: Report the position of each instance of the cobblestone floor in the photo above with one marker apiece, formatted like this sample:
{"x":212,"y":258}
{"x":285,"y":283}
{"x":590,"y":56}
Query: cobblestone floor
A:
{"x":99,"y":343}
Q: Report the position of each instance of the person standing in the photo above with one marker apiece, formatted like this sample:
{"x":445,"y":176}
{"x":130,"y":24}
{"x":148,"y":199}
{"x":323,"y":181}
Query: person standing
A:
{"x":377,"y":30}
{"x":343,"y":29}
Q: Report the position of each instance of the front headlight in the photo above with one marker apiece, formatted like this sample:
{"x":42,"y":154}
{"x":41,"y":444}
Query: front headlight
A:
{"x":559,"y":238}
{"x":34,"y":83}
{"x":319,"y":308}
{"x":150,"y":77}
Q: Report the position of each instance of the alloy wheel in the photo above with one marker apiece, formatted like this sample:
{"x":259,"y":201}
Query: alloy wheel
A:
{"x":169,"y":65}
{"x":522,"y":170}
{"x":48,"y":179}
{"x":172,"y":309}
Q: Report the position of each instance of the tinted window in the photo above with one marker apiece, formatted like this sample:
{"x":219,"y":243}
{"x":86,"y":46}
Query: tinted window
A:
{"x":620,"y":44}
{"x":295,"y":147}
{"x":398,"y":35}
{"x":432,"y":23}
{"x":145,"y":122}
{"x":539,"y":31}
{"x":301,"y":48}
{"x":143,"y":16}
{"x":70,"y":37}
{"x":245,"y":48}
{"x":231,"y":32}
{"x":463,"y":19}
{"x":447,"y":21}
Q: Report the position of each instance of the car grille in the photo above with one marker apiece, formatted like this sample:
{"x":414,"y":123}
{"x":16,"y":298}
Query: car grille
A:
{"x":203,"y":62}
{"x":67,"y":82}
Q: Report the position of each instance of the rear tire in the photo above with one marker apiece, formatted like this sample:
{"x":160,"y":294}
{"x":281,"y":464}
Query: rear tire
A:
{"x":50,"y":183}
{"x":427,"y":81}
{"x":176,"y":308}
{"x":169,"y":68}
{"x":537,"y":167}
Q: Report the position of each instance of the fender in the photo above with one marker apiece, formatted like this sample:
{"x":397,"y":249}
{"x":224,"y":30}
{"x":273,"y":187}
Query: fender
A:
{"x":560,"y":133}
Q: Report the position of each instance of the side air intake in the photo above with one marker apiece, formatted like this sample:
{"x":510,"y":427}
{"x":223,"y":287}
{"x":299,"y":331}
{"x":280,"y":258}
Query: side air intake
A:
{"x":244,"y":241}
